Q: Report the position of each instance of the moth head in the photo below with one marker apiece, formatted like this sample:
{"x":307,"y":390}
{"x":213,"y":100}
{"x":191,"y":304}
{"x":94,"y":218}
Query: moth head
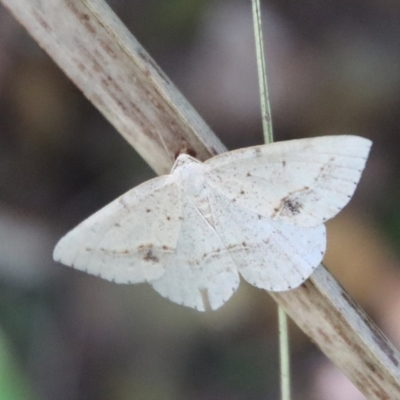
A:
{"x":184,"y":160}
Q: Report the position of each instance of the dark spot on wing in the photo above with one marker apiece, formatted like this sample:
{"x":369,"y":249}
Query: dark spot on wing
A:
{"x":148,"y":210}
{"x":242,"y":192}
{"x":146,"y":252}
{"x":150,"y":257}
{"x":248,"y":174}
{"x":284,"y":163}
{"x":244,"y":244}
{"x":117,"y":224}
{"x":168,"y":218}
{"x":293,"y":206}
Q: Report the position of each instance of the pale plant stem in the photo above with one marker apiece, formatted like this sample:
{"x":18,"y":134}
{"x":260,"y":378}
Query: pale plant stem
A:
{"x":262,"y":74}
{"x":268,"y":138}
{"x":284,"y":354}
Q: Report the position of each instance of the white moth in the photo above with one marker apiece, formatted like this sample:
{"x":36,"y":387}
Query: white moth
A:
{"x":257,"y":211}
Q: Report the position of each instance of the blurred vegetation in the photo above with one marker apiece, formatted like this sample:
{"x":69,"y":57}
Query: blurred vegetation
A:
{"x":334,"y":68}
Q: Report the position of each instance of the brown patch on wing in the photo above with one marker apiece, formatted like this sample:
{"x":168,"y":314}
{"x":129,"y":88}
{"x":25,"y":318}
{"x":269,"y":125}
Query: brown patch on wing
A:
{"x":151,"y":257}
{"x":291,"y":206}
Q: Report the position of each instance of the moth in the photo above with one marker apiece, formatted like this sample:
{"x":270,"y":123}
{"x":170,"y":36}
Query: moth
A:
{"x":258,"y":212}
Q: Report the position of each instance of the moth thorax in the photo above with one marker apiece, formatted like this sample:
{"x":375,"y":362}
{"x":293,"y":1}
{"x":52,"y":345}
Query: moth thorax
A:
{"x":202,"y":203}
{"x":191,"y":174}
{"x":194,"y":187}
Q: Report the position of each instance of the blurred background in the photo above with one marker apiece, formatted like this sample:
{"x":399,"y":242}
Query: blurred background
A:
{"x":334,"y":68}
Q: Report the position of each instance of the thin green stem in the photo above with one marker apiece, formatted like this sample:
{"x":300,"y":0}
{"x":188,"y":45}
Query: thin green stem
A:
{"x":269,"y":138}
{"x":284,"y":354}
{"x":262,"y":74}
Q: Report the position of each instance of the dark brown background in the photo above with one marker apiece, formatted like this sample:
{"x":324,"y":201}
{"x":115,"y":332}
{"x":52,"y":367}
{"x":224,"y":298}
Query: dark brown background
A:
{"x":333,"y":67}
